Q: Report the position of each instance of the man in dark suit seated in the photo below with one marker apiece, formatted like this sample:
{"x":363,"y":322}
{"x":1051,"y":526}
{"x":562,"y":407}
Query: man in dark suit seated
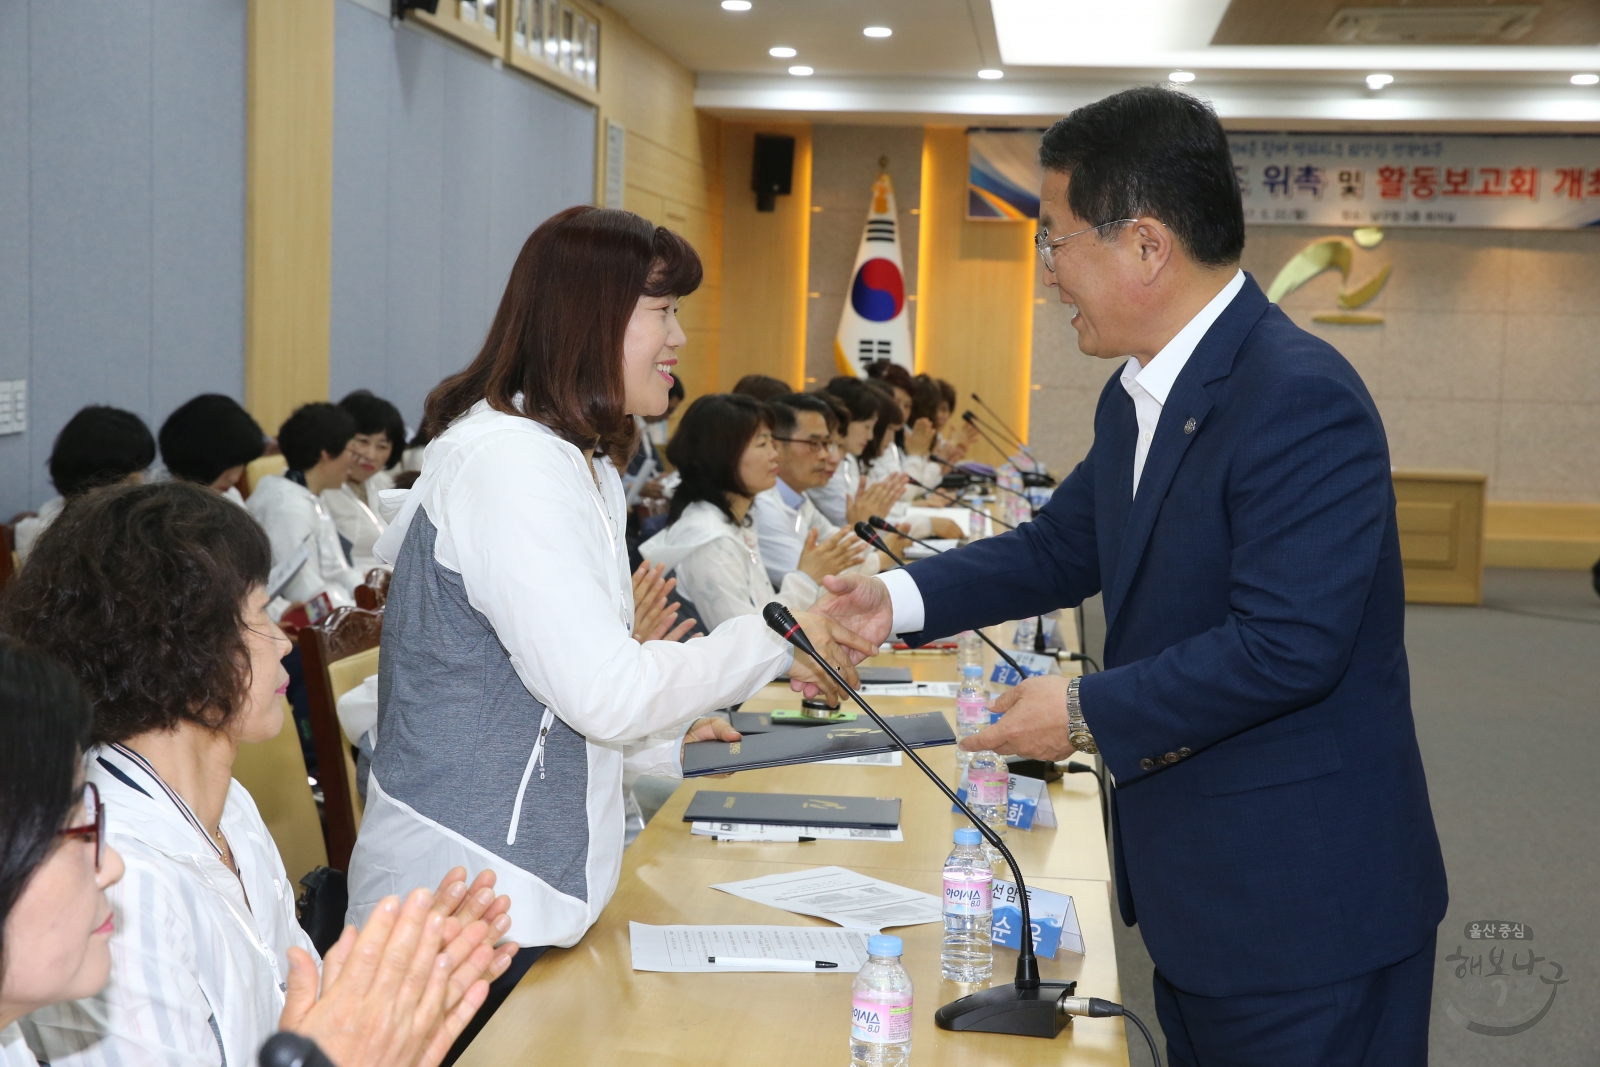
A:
{"x":1273,"y":836}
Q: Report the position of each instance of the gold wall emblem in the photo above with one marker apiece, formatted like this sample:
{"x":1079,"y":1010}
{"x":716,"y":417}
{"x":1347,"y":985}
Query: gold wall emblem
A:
{"x":1334,"y":253}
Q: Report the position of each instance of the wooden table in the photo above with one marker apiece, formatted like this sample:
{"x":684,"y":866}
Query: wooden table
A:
{"x":586,"y":1005}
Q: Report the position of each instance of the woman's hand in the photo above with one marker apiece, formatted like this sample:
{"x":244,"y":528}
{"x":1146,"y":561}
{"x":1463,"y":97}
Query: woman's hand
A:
{"x":654,"y":615}
{"x":399,"y":993}
{"x":464,"y":905}
{"x":711,"y":728}
{"x":946,"y":528}
{"x":919,"y":437}
{"x":840,"y":551}
{"x":840,"y":646}
{"x":875,"y":499}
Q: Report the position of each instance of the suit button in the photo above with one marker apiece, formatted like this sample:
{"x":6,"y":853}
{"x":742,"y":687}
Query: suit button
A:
{"x":1147,"y":764}
{"x":1171,"y":757}
{"x":1184,"y":753}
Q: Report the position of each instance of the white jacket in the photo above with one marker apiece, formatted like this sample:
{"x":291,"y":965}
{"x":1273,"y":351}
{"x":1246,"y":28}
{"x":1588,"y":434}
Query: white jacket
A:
{"x":357,"y":519}
{"x":298,"y":523}
{"x":782,"y":519}
{"x":510,"y":690}
{"x":719,"y":566}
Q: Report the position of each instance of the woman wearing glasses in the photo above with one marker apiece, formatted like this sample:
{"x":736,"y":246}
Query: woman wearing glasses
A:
{"x":723,"y":450}
{"x":155,"y":596}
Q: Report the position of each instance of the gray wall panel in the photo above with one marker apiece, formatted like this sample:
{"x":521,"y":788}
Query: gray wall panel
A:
{"x":121,"y":214}
{"x":432,"y":206}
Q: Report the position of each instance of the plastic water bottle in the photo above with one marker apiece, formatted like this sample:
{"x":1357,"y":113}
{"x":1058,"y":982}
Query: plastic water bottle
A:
{"x":968,"y":953}
{"x":972,"y":709}
{"x":1026,"y":628}
{"x":989,"y":795}
{"x":969,"y":651}
{"x":880,"y":1007}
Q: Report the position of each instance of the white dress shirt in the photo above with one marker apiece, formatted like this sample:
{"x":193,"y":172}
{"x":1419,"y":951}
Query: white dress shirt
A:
{"x":199,"y":960}
{"x":1148,"y":386}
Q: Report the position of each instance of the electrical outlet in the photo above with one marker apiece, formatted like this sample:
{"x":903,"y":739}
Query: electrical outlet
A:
{"x":13,"y":406}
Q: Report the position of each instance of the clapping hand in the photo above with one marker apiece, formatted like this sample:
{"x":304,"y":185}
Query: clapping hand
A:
{"x":875,"y":499}
{"x":837,"y":552}
{"x":653,"y":613}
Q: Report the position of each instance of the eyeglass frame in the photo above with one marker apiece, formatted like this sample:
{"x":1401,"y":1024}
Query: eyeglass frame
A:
{"x":816,"y":445}
{"x":1046,"y":246}
{"x":96,"y":828}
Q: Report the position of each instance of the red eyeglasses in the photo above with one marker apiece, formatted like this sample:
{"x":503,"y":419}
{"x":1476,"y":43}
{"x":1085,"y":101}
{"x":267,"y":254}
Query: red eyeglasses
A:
{"x":95,"y":829}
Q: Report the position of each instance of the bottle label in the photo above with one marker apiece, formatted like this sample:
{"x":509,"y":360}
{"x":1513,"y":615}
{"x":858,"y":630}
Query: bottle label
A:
{"x":968,"y":892}
{"x":990,"y":787}
{"x":881,"y":1022}
{"x":972,"y":711}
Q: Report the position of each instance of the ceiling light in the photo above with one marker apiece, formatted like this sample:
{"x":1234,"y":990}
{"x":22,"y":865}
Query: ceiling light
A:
{"x":1378,"y":81}
{"x":781,"y":52}
{"x":991,"y":75}
{"x":1181,"y":76}
{"x":801,"y":72}
{"x":1586,"y":79}
{"x":736,"y":5}
{"x":878,"y":31}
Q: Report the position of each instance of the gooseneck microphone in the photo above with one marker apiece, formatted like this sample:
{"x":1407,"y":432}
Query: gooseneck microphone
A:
{"x":870,"y":536}
{"x":958,"y":502}
{"x":988,"y":480}
{"x":877,"y":522}
{"x":1015,"y":436}
{"x":1027,"y":1006}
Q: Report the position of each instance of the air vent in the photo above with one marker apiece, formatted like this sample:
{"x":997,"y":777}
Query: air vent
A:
{"x":1433,"y":25}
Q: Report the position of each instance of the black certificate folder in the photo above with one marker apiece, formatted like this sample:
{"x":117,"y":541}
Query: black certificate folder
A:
{"x":927,"y":729}
{"x":795,"y":809}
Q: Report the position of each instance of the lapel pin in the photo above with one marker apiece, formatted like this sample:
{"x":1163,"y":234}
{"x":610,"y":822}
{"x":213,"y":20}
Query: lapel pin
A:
{"x":1188,"y":427}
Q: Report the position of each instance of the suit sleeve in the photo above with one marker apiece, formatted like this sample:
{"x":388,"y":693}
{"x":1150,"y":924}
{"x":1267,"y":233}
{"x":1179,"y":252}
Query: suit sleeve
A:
{"x":1048,"y":563}
{"x":1308,"y":501}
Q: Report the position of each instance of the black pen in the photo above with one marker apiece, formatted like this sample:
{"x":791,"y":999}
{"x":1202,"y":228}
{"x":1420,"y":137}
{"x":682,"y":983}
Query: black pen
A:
{"x":765,"y":840}
{"x":772,"y":965}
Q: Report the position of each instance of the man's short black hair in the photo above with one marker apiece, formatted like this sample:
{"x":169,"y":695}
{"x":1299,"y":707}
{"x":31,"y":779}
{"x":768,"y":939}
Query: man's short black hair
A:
{"x":312,"y":430}
{"x":99,"y":446}
{"x":373,"y":414}
{"x":208,"y":435}
{"x":762,"y":386}
{"x":786,"y":409}
{"x":1152,"y":152}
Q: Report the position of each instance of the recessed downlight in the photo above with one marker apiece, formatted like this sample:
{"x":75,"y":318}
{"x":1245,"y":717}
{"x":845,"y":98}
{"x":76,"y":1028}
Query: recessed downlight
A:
{"x":878,"y":31}
{"x":801,"y":71}
{"x":1182,"y":77}
{"x":991,"y":75}
{"x":736,"y":5}
{"x":781,"y":52}
{"x":1378,"y":81}
{"x":1586,"y":79}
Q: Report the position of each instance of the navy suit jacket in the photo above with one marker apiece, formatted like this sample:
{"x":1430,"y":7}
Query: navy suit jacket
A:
{"x":1280,"y":836}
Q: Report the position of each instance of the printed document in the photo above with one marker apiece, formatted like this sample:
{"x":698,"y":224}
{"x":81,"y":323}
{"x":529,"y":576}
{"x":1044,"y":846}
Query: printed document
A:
{"x":685,"y":948}
{"x":841,"y":896}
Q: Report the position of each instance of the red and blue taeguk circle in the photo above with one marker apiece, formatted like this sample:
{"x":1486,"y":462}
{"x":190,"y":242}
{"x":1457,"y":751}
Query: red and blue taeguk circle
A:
{"x":878,"y":293}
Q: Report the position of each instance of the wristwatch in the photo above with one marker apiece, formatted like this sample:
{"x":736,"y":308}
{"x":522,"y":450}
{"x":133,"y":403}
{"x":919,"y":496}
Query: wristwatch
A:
{"x":1078,"y":730}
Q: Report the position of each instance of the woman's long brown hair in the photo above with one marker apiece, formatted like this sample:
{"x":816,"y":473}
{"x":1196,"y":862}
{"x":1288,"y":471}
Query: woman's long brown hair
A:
{"x":557,"y":336}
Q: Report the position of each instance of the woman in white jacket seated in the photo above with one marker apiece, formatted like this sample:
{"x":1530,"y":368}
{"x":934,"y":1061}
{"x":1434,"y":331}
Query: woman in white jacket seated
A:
{"x":375,"y":450}
{"x":724,"y":453}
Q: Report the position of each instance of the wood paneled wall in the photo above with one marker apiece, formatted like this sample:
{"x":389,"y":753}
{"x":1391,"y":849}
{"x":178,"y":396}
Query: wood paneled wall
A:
{"x":672,"y":171}
{"x":764,"y":256}
{"x":289,"y":206}
{"x":975,"y":290}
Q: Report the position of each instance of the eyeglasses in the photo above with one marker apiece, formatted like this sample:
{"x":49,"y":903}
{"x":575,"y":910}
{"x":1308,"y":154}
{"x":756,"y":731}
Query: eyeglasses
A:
{"x":95,"y":829}
{"x":815,"y":444}
{"x":1047,"y":245}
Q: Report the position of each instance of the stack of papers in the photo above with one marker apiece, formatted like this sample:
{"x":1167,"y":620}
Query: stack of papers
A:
{"x":841,"y":896}
{"x":745,"y":831}
{"x":686,"y":948}
{"x":942,"y":690}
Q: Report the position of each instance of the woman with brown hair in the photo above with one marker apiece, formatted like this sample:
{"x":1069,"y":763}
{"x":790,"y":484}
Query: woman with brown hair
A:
{"x":511,"y":693}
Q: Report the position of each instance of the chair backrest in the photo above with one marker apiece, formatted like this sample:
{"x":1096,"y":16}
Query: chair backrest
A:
{"x":374,"y":589}
{"x":274,"y":772}
{"x":10,"y":560}
{"x":337,"y":641}
{"x":258,"y":469}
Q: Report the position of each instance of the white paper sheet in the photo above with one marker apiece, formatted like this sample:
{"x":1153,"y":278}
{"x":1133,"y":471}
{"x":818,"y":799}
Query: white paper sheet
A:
{"x":746,"y":831}
{"x":942,"y":690}
{"x":841,"y":896}
{"x":685,"y":948}
{"x":876,"y":759}
{"x":931,"y":546}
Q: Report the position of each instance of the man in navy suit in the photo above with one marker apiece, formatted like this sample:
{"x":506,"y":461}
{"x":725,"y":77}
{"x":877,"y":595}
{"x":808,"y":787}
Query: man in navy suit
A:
{"x":1272,"y":830}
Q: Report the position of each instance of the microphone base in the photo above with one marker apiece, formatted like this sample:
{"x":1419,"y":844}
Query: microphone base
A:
{"x":1005,"y":1009}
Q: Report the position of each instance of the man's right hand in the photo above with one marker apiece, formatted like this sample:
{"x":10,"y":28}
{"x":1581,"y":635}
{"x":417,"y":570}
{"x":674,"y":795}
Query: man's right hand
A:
{"x":860,"y":604}
{"x":837,"y":644}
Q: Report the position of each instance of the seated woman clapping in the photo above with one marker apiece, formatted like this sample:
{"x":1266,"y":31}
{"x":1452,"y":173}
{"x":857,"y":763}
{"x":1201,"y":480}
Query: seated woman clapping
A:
{"x":723,"y":449}
{"x":154,"y":597}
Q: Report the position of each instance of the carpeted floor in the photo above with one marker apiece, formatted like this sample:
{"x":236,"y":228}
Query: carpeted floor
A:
{"x":1507,"y":703}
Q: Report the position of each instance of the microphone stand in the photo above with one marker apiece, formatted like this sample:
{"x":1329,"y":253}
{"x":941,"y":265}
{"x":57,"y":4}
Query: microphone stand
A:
{"x":1034,"y":472}
{"x":870,"y":536}
{"x":1028,"y":1006}
{"x":989,"y":480}
{"x":996,"y":416}
{"x":962,"y":504}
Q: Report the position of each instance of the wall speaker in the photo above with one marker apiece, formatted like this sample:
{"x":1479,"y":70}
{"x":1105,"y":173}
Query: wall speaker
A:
{"x":773,"y":169}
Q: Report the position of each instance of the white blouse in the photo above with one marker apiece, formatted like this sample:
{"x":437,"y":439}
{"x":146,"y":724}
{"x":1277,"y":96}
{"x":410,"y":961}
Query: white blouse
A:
{"x":199,"y":961}
{"x":357,"y":520}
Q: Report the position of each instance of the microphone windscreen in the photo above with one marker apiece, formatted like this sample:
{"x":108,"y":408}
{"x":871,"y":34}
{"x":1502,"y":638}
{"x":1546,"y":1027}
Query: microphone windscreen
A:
{"x":967,"y":416}
{"x":877,"y":523}
{"x":779,"y":618}
{"x":866,"y":533}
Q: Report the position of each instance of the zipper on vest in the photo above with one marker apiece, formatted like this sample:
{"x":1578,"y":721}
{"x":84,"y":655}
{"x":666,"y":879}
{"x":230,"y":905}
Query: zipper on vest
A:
{"x":534,"y":757}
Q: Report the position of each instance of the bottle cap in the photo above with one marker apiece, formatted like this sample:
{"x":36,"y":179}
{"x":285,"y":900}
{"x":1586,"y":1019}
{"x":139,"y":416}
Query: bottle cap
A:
{"x":968,"y":836}
{"x":972,"y":670}
{"x":884,"y":945}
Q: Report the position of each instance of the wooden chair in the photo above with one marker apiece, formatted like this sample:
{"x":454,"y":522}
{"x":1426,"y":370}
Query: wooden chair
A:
{"x":275,"y":774}
{"x":10,"y":561}
{"x":338,"y":654}
{"x":374,"y":589}
{"x":258,"y":469}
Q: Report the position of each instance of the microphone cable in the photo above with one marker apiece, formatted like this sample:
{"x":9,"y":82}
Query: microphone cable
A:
{"x":1095,"y":1008}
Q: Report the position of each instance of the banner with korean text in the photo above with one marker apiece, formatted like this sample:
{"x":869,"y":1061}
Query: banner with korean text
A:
{"x":1510,"y":182}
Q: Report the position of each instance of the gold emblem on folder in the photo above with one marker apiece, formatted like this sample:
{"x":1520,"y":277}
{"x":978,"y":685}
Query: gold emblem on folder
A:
{"x":733,"y":747}
{"x":827,"y":805}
